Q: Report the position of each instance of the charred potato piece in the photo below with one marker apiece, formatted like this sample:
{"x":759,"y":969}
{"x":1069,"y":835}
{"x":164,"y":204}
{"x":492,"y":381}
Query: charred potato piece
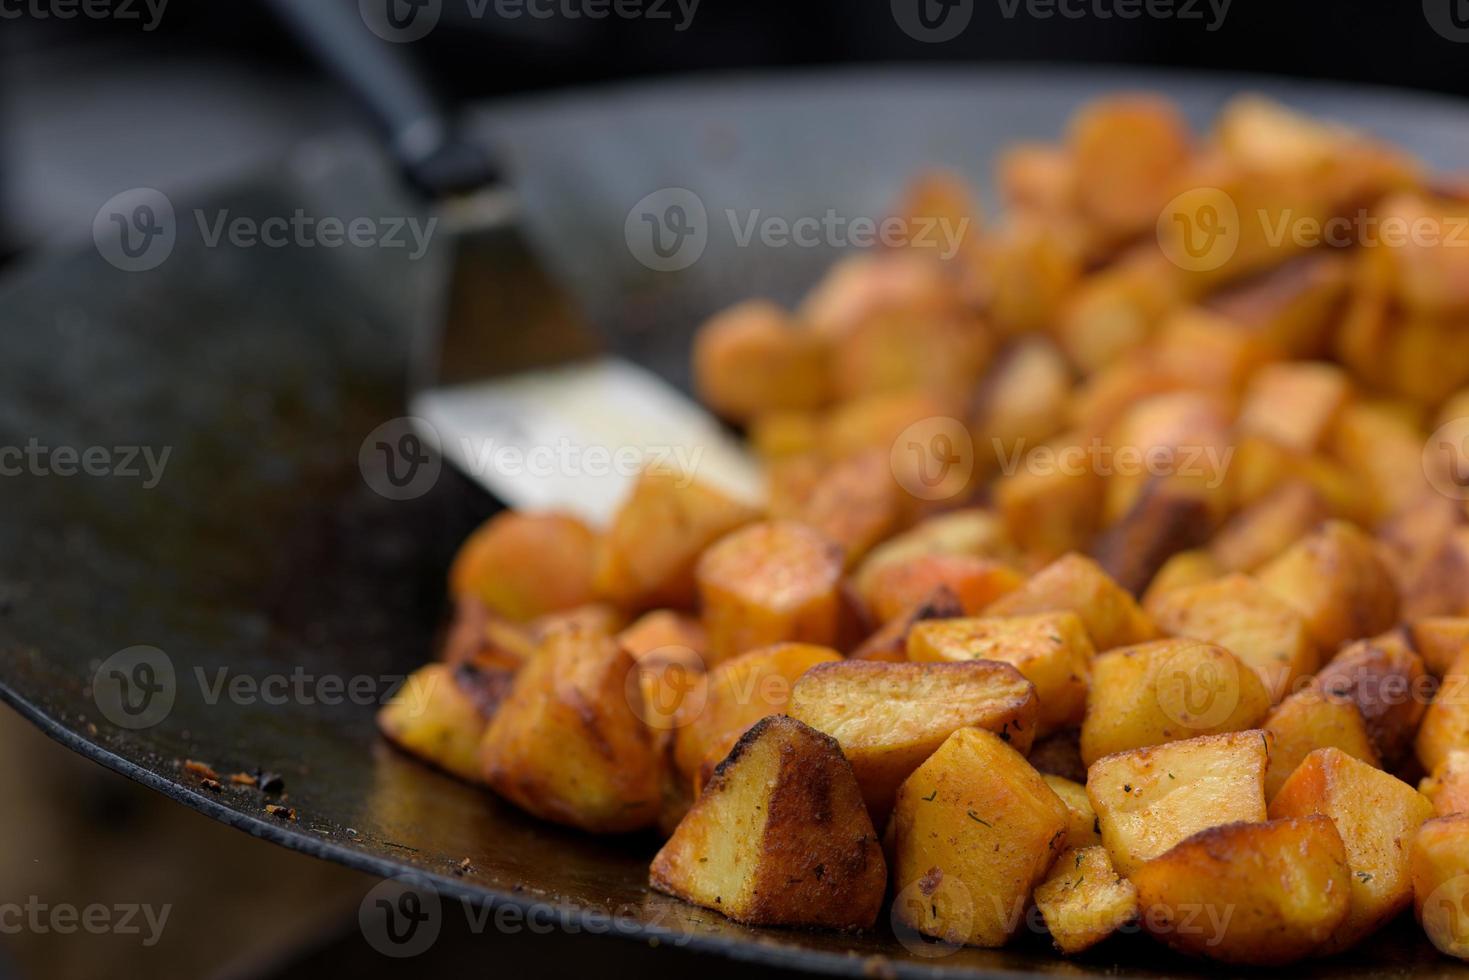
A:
{"x":779,"y":836}
{"x":1295,"y":405}
{"x":647,"y":555}
{"x":1147,"y":800}
{"x":1082,"y":829}
{"x":974,"y":830}
{"x":1439,"y":864}
{"x":1306,"y":721}
{"x":1250,"y":621}
{"x":767,"y":583}
{"x":1074,"y":583}
{"x":753,"y":358}
{"x":1051,"y":650}
{"x":568,"y":743}
{"x":1337,"y":580}
{"x":1166,"y":691}
{"x":1448,"y":787}
{"x":890,"y":642}
{"x":889,"y":718}
{"x":1169,"y":516}
{"x":1377,"y":815}
{"x":1084,"y":900}
{"x":526,"y":565}
{"x":1060,"y":755}
{"x":441,"y":712}
{"x":1387,"y":683}
{"x":1263,"y":894}
{"x":895,"y":587}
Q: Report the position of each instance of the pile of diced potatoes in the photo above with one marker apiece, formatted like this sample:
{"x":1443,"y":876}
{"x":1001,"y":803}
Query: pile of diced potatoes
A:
{"x":1097,"y":584}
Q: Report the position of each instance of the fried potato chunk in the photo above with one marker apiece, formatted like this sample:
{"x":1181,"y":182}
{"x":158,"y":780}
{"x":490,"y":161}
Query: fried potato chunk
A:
{"x":568,"y":743}
{"x":974,"y":830}
{"x":779,"y":837}
{"x":1439,"y":865}
{"x":1439,"y":640}
{"x":1192,"y":567}
{"x":1377,"y":815}
{"x":1309,"y":720}
{"x":1051,"y":650}
{"x":890,"y":642}
{"x":853,"y":501}
{"x":1082,"y":829}
{"x":1051,"y":509}
{"x":1128,"y":151}
{"x":1268,"y":526}
{"x":1446,"y":722}
{"x":441,"y":712}
{"x":1448,"y":787}
{"x":1295,"y":404}
{"x":889,"y":718}
{"x":526,"y":565}
{"x":1247,"y":619}
{"x":1074,"y":583}
{"x":1387,"y":682}
{"x":1166,"y":691}
{"x":767,"y":583}
{"x":1263,"y":894}
{"x":895,"y":587}
{"x":752,"y":358}
{"x":1147,"y":800}
{"x":1084,"y":900}
{"x":1336,"y":579}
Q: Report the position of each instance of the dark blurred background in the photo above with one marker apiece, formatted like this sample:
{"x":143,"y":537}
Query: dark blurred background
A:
{"x":193,"y":91}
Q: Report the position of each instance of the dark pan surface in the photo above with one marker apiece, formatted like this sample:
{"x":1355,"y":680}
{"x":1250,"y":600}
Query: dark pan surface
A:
{"x":263,"y":552}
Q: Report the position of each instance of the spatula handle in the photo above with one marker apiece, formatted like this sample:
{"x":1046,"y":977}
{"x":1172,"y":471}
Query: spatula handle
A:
{"x":421,"y":134}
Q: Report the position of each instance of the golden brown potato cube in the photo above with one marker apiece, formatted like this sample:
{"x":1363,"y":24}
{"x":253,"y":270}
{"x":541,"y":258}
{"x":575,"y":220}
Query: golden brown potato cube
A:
{"x":853,"y":501}
{"x":909,"y":350}
{"x":876,"y":421}
{"x":1385,"y":451}
{"x":1147,"y":800}
{"x":890,"y":642}
{"x":1439,"y":640}
{"x":871,"y":281}
{"x":1192,"y":567}
{"x":1082,"y":829}
{"x":1169,"y":515}
{"x":1036,"y":177}
{"x":1377,"y":815}
{"x":1268,"y":526}
{"x":972,"y":531}
{"x":1387,"y":683}
{"x":896,"y":587}
{"x":1029,"y":269}
{"x":1445,"y":724}
{"x":647,"y":555}
{"x":1023,"y":400}
{"x":1264,"y":894}
{"x":1115,"y":311}
{"x":1309,"y":720}
{"x":1294,"y":305}
{"x":1051,"y":500}
{"x":1248,"y":620}
{"x":441,"y":712}
{"x":740,"y":692}
{"x":651,"y":632}
{"x":1165,"y":691}
{"x":779,"y":836}
{"x":670,"y":674}
{"x":1051,"y":650}
{"x":1336,"y":579}
{"x":1448,"y":787}
{"x":1074,"y":583}
{"x":1084,"y":900}
{"x":767,"y":583}
{"x":568,"y":743}
{"x":1204,"y":349}
{"x":974,"y":830}
{"x":752,"y":358}
{"x":1439,"y":865}
{"x":1430,"y":272}
{"x":888,"y":718}
{"x":1182,"y":435}
{"x":1295,"y":404}
{"x":526,"y":565}
{"x":1441,"y":585}
{"x":781,"y":435}
{"x":1128,"y":150}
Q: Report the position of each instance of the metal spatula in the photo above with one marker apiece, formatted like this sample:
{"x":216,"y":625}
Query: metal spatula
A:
{"x":508,"y":377}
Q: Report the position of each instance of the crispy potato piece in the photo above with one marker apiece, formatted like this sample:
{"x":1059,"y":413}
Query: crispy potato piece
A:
{"x":1036,"y":177}
{"x":1294,"y":305}
{"x":1203,"y":349}
{"x":1377,"y":815}
{"x":1168,"y":516}
{"x":1183,"y":434}
{"x":1250,"y":621}
{"x":1051,"y":650}
{"x":1192,"y":567}
{"x":526,"y":565}
{"x":1052,"y":501}
{"x":1445,"y":724}
{"x":1430,"y":274}
{"x":1029,"y":269}
{"x":740,"y":692}
{"x":1336,"y":579}
{"x":1448,"y":788}
{"x":890,"y":642}
{"x":1295,"y":404}
{"x":1387,"y":683}
{"x":1264,"y":894}
{"x":567,"y":743}
{"x":854,"y":502}
{"x":651,"y":632}
{"x":1306,"y":721}
{"x":752,"y":358}
{"x":1385,"y":451}
{"x":910,"y":349}
{"x":1112,"y":313}
{"x":1084,"y":900}
{"x":766,"y":583}
{"x":888,"y":718}
{"x":647,"y":555}
{"x":975,"y":828}
{"x":1268,"y":526}
{"x":1022,"y":401}
{"x":895,"y":587}
{"x":1074,"y":583}
{"x":973,"y":531}
{"x":1149,"y":799}
{"x":779,"y":836}
{"x":1166,"y":691}
{"x":441,"y":712}
{"x":1439,"y":640}
{"x":871,"y":281}
{"x":1128,"y":151}
{"x":1082,"y":829}
{"x":1439,"y":865}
